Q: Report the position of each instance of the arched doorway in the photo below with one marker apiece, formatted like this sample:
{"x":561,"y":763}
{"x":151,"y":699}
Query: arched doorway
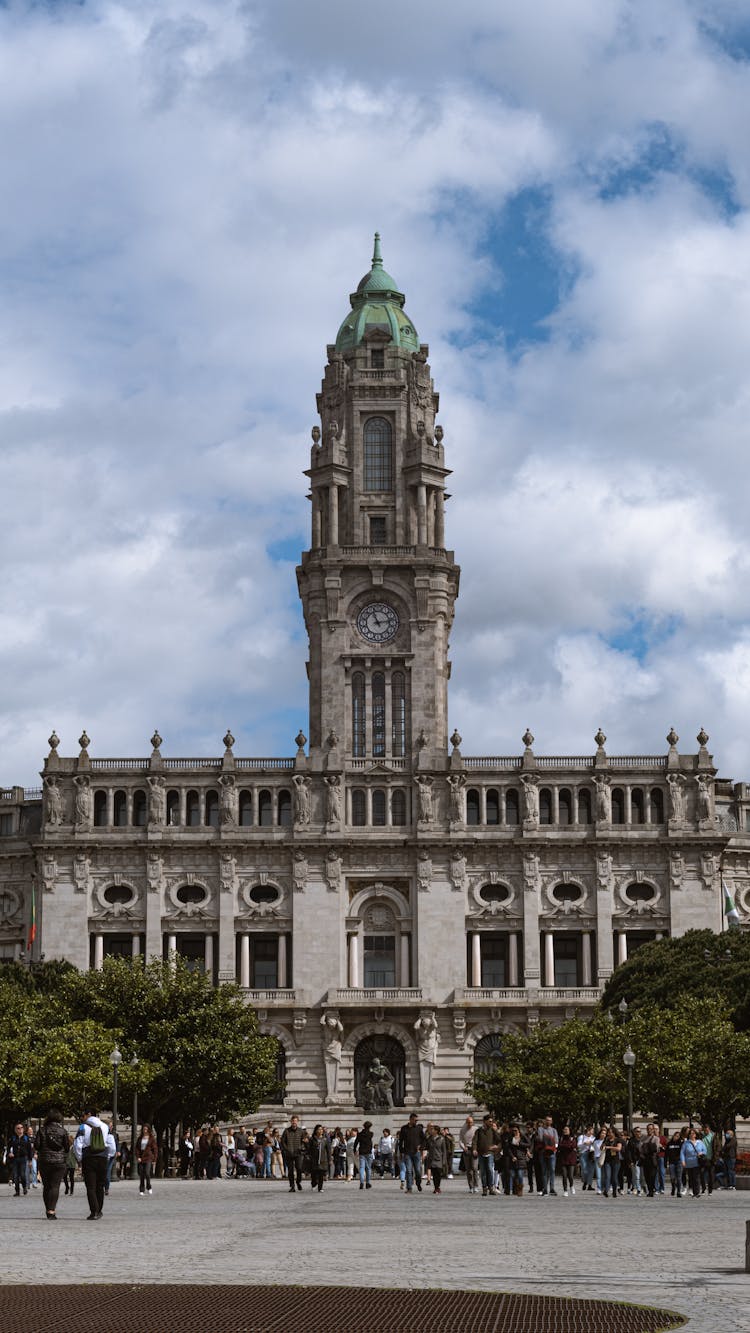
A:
{"x":390,"y":1052}
{"x":487,"y":1052}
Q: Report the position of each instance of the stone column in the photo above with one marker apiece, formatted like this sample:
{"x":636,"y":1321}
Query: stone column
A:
{"x":476,"y":959}
{"x":354,"y":980}
{"x":111,"y":807}
{"x":208,"y":955}
{"x":348,"y":805}
{"x":129,"y":807}
{"x":388,"y":714}
{"x":183,"y":806}
{"x":405,"y":968}
{"x":586,"y":958}
{"x":431,"y":516}
{"x":316,"y":523}
{"x":483,"y":805}
{"x":98,"y":952}
{"x":135,"y":945}
{"x":549,"y":958}
{"x":421,"y":514}
{"x":555,"y":804}
{"x":388,"y":807}
{"x":501,"y":805}
{"x":171,"y":944}
{"x":440,"y":519}
{"x":245,"y":960}
{"x":512,"y":959}
{"x":628,"y":805}
{"x":368,"y":806}
{"x":622,"y":947}
{"x":333,"y":515}
{"x":281,"y":963}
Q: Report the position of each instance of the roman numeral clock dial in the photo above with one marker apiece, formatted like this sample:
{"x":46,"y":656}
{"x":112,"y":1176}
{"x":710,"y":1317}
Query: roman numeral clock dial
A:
{"x":377,"y":622}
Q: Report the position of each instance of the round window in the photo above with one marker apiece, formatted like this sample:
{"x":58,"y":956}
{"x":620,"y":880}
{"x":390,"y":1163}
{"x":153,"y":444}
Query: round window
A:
{"x":190,"y":893}
{"x":263,"y":893}
{"x":494,"y":893}
{"x":566,"y":893}
{"x":640,"y":893}
{"x":117,"y":893}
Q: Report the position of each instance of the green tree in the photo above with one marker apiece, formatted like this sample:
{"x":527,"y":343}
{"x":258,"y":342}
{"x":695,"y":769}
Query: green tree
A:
{"x":698,"y":965}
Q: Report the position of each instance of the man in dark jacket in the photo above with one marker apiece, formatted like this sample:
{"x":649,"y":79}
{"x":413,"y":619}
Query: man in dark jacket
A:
{"x":20,"y":1153}
{"x":52,"y":1145}
{"x":411,"y":1141}
{"x":291,"y":1147}
{"x":486,"y":1144}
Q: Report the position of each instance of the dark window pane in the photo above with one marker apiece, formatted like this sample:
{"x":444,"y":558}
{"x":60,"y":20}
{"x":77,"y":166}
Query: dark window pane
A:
{"x":378,"y":455}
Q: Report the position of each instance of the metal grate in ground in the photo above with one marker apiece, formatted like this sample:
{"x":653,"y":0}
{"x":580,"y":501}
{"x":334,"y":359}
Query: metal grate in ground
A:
{"x":241,"y":1309}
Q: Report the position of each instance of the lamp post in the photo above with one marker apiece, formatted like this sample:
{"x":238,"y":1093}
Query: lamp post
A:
{"x":628,"y":1060}
{"x":115,"y":1060}
{"x":623,"y":1007}
{"x":134,"y":1124}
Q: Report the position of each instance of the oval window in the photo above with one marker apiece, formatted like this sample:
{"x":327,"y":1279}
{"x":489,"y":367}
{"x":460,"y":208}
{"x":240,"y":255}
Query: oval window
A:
{"x":640,"y":893}
{"x":190,"y":893}
{"x":494,"y":893}
{"x":567,"y":893}
{"x":264,"y":893}
{"x":117,"y":893}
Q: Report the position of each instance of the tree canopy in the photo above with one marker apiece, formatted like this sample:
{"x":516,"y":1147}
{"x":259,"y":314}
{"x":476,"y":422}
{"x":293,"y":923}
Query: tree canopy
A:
{"x":677,"y":971}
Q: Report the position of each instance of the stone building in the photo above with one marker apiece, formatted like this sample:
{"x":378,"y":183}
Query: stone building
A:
{"x":378,"y":892}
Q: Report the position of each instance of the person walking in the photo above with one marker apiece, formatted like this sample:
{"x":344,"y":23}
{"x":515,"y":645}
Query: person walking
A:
{"x":385,"y":1150}
{"x":70,"y":1170}
{"x":320,"y":1158}
{"x":585,"y":1147}
{"x":436,"y":1157}
{"x":363,"y":1146}
{"x":708,"y":1161}
{"x":291,"y":1147}
{"x":548,"y":1140}
{"x":729,"y":1158}
{"x":567,"y":1151}
{"x":146,"y":1153}
{"x":610,"y":1162}
{"x":185,"y":1153}
{"x":693,"y":1150}
{"x":411,"y":1141}
{"x":519,"y":1153}
{"x":674,"y":1166}
{"x":469,"y":1154}
{"x":92,"y":1146}
{"x":650,"y":1147}
{"x":53,"y":1146}
{"x":486,"y":1144}
{"x":20,"y":1153}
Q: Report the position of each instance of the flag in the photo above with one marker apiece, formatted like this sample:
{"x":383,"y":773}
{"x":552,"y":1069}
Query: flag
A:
{"x":730,"y":911}
{"x":32,"y":922}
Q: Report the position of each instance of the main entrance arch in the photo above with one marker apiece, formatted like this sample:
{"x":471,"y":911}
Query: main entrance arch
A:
{"x":390,"y":1052}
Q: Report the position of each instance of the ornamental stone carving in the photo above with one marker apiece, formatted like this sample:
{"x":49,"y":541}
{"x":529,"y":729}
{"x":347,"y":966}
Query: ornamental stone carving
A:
{"x":424,"y":870}
{"x":603,"y":808}
{"x":426,"y":1028}
{"x":457,"y":869}
{"x":676,"y":784}
{"x":704,"y":800}
{"x":301,"y":800}
{"x":49,"y":873}
{"x":676,"y":870}
{"x":53,"y":802}
{"x":81,"y":873}
{"x":82,"y":803}
{"x":300,"y":871}
{"x":333,"y":871}
{"x":531,"y":875}
{"x":157,"y":801}
{"x":456,"y":800}
{"x":228,"y":801}
{"x":424,"y":796}
{"x":530,"y":800}
{"x":154,"y":872}
{"x":333,"y":800}
{"x":227,"y":872}
{"x":333,"y":1031}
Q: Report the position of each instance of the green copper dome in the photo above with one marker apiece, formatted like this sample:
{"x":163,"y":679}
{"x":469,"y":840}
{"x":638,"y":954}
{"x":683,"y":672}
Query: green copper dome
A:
{"x":377,"y":304}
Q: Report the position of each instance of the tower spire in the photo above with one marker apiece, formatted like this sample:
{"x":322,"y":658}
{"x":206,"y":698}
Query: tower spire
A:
{"x":377,"y":258}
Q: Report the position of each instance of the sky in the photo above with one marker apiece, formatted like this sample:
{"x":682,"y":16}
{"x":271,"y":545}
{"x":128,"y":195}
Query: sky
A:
{"x":190,"y":191}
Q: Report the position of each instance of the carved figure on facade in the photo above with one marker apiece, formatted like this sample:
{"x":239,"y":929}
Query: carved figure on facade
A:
{"x":301,"y":799}
{"x":676,"y":784}
{"x":376,"y":1093}
{"x":677,"y":869}
{"x":82,"y":802}
{"x":53,"y":803}
{"x":154,"y":872}
{"x":459,"y":1028}
{"x":228,"y":801}
{"x":603,"y":809}
{"x":49,"y":873}
{"x":531,"y":799}
{"x":300,"y":870}
{"x":708,"y":870}
{"x":227,"y":872}
{"x":333,"y":799}
{"x":458,"y":869}
{"x":457,"y":783}
{"x":333,"y":1031}
{"x":81,"y":873}
{"x":333,"y":870}
{"x":424,"y":790}
{"x":531,"y":874}
{"x":426,"y":1028}
{"x":299,"y":1023}
{"x":424,"y":870}
{"x":705,"y":798}
{"x":157,"y":801}
{"x":604,"y":870}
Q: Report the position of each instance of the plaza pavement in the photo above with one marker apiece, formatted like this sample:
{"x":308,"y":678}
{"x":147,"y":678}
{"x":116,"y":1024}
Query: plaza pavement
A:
{"x":680,"y":1254}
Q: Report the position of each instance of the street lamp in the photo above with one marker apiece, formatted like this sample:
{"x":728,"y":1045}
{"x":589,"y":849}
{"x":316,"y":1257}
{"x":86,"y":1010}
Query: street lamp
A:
{"x":628,"y":1060}
{"x":623,"y":1007}
{"x":115,"y":1060}
{"x":134,"y":1125}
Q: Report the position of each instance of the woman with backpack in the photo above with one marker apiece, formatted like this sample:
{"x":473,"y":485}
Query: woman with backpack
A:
{"x":146,"y":1152}
{"x":53,"y":1145}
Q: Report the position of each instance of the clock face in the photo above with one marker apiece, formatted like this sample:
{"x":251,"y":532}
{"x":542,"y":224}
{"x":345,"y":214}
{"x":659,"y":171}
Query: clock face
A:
{"x":377,"y":622}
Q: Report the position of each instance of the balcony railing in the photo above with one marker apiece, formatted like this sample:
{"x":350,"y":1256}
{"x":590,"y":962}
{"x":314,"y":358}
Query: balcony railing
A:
{"x":590,"y":994}
{"x":492,"y":761}
{"x":395,"y":764}
{"x":496,"y":994}
{"x":263,"y":998}
{"x":369,"y":995}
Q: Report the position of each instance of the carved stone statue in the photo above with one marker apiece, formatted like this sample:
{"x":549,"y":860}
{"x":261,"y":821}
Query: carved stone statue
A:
{"x":602,"y":800}
{"x":426,"y":1029}
{"x":458,"y":868}
{"x":333,"y":870}
{"x":376,"y":1093}
{"x":227,"y":801}
{"x":53,"y":806}
{"x":301,"y":799}
{"x":530,"y":799}
{"x":300,"y":870}
{"x":333,"y":800}
{"x":83,"y":802}
{"x":424,"y":786}
{"x":333,"y":1031}
{"x":424,"y":869}
{"x":457,"y":782}
{"x":157,"y":801}
{"x":676,"y":797}
{"x":705,"y":794}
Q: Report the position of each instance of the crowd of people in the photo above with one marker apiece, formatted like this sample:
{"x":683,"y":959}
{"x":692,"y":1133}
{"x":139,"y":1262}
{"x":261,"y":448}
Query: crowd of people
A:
{"x":493,"y":1158}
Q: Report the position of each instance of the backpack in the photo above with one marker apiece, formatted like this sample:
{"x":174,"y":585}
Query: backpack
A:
{"x":97,"y":1142}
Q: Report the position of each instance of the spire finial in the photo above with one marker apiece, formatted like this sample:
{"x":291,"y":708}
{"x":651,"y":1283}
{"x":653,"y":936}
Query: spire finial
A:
{"x":377,"y":258}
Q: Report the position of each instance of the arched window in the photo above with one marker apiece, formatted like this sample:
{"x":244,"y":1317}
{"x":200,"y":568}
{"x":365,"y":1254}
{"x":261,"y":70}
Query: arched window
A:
{"x":618,"y":806}
{"x":391,"y":1053}
{"x":378,"y":715}
{"x":359,"y":808}
{"x":100,"y":809}
{"x":472,"y":806}
{"x":511,"y":806}
{"x":565,"y":807}
{"x":193,"y":809}
{"x":493,"y":807}
{"x":545,"y":806}
{"x":358,"y":713}
{"x":212,"y":809}
{"x":120,"y":809}
{"x":584,"y":806}
{"x":285,"y":808}
{"x":398,"y":714}
{"x":657,"y":805}
{"x":265,"y":809}
{"x":378,"y":455}
{"x":139,"y":808}
{"x":398,"y":807}
{"x":637,"y":808}
{"x":173,"y":807}
{"x":487,"y":1052}
{"x":246,"y":808}
{"x":378,"y":808}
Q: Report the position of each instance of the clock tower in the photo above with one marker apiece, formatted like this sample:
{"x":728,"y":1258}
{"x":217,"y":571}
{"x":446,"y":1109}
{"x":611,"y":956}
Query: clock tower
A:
{"x":378,"y":586}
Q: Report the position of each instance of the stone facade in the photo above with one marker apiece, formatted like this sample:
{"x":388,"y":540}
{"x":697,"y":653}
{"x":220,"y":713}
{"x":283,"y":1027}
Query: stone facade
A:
{"x":378,"y":892}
